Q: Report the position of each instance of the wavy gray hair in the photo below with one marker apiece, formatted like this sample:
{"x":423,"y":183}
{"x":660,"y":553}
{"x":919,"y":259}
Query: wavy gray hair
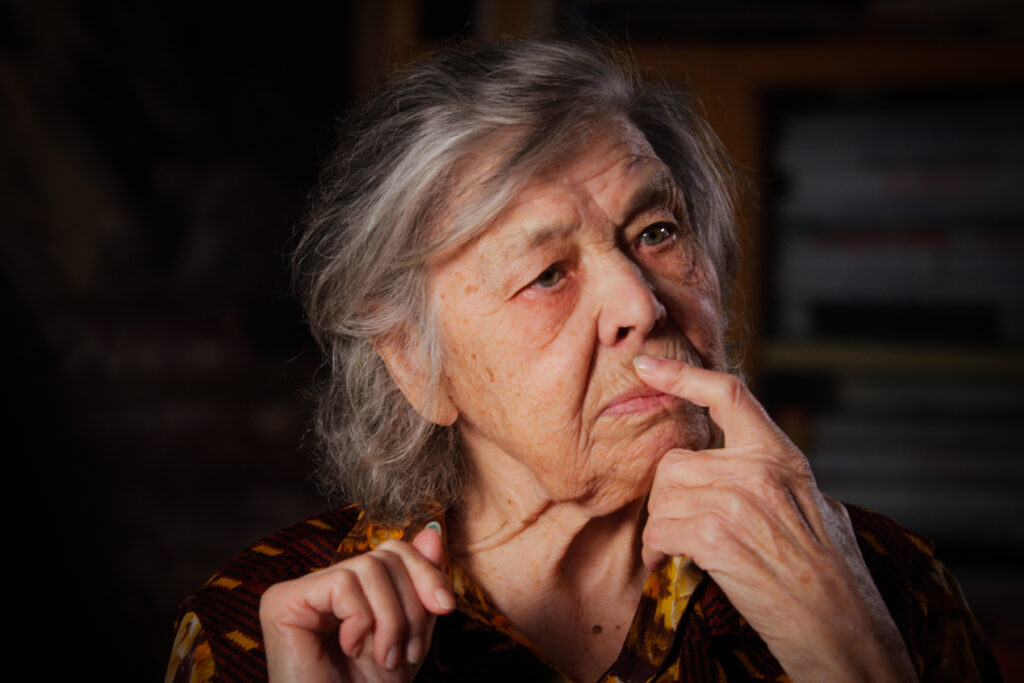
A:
{"x":424,"y":166}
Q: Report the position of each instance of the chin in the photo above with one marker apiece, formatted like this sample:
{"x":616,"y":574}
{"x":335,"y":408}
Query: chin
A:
{"x":629,"y":472}
{"x":687,"y":427}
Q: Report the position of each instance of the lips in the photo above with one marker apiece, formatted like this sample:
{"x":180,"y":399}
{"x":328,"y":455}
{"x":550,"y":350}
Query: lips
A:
{"x":639,"y":400}
{"x":643,"y":398}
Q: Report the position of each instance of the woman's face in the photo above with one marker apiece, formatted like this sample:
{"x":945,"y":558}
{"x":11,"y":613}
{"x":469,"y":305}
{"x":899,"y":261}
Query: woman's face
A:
{"x":592,"y":264}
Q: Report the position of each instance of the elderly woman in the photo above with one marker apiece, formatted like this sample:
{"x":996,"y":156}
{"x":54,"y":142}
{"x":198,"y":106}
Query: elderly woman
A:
{"x":517,"y":264}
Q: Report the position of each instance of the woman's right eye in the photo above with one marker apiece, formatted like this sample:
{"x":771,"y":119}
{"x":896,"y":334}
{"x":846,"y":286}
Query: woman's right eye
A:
{"x":657,"y":234}
{"x":551,"y":276}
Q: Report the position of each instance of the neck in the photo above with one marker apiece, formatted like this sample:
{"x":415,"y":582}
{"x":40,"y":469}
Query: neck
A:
{"x":516,"y":540}
{"x":567,"y":573}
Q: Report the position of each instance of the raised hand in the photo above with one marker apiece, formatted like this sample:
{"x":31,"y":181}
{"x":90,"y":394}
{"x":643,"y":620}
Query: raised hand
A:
{"x":368,"y":618}
{"x":750,"y":514}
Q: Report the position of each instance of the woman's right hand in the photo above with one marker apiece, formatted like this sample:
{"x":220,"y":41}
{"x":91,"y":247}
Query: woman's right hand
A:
{"x":368,"y":618}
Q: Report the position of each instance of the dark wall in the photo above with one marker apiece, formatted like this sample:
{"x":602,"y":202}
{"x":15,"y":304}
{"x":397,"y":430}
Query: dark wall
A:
{"x":155,"y":160}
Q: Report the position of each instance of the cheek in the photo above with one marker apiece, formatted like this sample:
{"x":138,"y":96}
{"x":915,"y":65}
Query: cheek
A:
{"x":693,"y":305}
{"x":539,"y":317}
{"x":502,"y":378}
{"x":704,"y":329}
{"x":473,"y":369}
{"x":548,"y":357}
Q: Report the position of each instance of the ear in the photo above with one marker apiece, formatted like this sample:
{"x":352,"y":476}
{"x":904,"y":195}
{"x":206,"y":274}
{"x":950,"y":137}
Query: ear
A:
{"x":408,"y":368}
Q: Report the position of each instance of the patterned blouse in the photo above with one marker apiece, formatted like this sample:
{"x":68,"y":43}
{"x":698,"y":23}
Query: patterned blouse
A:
{"x":684,"y":629}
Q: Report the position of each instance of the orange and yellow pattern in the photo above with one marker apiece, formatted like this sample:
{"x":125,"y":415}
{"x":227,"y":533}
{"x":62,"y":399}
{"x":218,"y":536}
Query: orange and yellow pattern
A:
{"x":684,"y":628}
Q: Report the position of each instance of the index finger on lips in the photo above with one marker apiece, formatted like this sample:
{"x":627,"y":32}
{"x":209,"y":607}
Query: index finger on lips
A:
{"x":730,"y":404}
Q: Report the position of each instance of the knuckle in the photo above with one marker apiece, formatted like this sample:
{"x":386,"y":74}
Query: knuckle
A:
{"x":676,"y":456}
{"x":680,"y":461}
{"x":734,"y":390}
{"x":838,"y":509}
{"x":350,"y":635}
{"x":373,"y":562}
{"x":271,"y":600}
{"x":660,"y":501}
{"x":359,"y":621}
{"x":674,"y":466}
{"x":653,"y":533}
{"x":802,"y":468}
{"x":795,"y":472}
{"x":388,"y":559}
{"x":346,"y":580}
{"x":653,"y":502}
{"x":736,"y":503}
{"x":764,"y":481}
{"x":392,"y":545}
{"x":711,"y":531}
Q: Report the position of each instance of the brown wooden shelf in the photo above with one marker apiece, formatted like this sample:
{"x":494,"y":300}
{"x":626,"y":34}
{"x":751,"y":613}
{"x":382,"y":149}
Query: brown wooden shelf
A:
{"x":731,"y":82}
{"x":901,"y":359}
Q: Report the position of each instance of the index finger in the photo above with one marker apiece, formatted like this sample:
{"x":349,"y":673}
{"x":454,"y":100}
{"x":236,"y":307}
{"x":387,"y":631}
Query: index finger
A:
{"x":429,"y":582}
{"x":730,"y":404}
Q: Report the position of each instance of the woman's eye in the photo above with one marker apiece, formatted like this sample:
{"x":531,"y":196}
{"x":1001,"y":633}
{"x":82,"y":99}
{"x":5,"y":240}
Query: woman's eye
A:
{"x":550,"y":277}
{"x":657,"y":235}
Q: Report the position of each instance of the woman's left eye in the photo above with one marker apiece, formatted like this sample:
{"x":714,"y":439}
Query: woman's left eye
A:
{"x":550,"y":277}
{"x":657,"y":234}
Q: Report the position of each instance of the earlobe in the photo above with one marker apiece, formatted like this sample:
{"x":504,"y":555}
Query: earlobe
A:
{"x":408,"y":368}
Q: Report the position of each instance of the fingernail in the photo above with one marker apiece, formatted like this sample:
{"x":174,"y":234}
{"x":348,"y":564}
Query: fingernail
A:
{"x":414,"y":651}
{"x":646,"y":363}
{"x":435,"y":526}
{"x":391,"y":663}
{"x":445,"y":598}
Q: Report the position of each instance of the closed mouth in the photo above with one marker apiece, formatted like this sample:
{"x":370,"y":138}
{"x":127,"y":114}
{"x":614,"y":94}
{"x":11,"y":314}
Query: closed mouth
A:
{"x":640,"y":401}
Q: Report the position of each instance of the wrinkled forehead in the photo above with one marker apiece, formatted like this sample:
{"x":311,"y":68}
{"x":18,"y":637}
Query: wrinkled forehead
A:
{"x":611,"y":153}
{"x":616,"y":133}
{"x":507,"y":173}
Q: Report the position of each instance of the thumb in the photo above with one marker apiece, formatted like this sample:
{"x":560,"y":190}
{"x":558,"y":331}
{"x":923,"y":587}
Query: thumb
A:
{"x":428,"y":543}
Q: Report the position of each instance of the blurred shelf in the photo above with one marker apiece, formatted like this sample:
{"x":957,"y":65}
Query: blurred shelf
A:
{"x":846,"y":357}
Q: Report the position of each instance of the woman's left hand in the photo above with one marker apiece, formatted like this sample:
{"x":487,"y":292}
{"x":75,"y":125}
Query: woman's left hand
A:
{"x":750,"y":514}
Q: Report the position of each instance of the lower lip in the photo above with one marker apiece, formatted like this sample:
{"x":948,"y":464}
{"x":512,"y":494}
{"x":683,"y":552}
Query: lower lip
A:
{"x":642,"y":404}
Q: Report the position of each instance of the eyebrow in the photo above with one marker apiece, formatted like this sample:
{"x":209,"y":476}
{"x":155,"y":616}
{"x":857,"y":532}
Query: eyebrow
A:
{"x":535,"y":237}
{"x":659,"y":189}
{"x":544,"y":235}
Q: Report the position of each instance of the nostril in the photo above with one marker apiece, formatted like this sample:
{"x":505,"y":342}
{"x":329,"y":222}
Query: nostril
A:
{"x":623,"y":331}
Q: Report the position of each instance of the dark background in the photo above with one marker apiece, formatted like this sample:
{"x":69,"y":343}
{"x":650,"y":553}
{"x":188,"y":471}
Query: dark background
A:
{"x":154,"y":159}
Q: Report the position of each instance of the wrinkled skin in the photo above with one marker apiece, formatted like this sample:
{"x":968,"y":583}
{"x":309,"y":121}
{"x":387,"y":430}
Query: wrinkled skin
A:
{"x":750,"y":514}
{"x":592,"y":269}
{"x":369,"y":618}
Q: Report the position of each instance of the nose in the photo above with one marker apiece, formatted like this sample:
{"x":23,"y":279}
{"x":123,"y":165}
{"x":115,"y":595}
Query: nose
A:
{"x":629,"y":305}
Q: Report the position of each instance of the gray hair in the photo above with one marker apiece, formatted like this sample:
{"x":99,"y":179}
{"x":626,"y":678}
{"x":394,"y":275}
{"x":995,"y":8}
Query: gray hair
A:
{"x":424,"y":166}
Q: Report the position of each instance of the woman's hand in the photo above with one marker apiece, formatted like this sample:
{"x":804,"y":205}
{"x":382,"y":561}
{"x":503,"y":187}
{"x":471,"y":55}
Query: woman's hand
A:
{"x":369,"y":618}
{"x":750,"y":514}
